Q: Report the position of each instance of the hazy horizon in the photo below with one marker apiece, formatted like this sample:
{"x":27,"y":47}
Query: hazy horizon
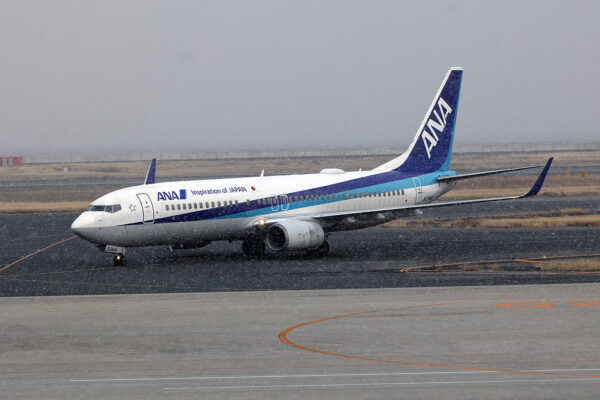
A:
{"x":81,"y":76}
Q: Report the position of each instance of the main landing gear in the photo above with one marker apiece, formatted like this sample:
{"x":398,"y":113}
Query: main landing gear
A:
{"x":254,"y":247}
{"x":119,"y":260}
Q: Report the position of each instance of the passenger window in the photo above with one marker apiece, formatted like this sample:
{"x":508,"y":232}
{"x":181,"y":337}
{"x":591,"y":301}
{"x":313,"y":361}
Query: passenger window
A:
{"x":200,"y":204}
{"x":218,"y":204}
{"x":402,"y":192}
{"x":247,"y":201}
{"x":212,"y":204}
{"x":195,"y":206}
{"x":183,"y":205}
{"x":166,"y":207}
{"x":207,"y":205}
{"x":179,"y":206}
{"x":236,"y":202}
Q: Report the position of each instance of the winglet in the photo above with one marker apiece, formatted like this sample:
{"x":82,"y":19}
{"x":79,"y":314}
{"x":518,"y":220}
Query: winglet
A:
{"x":537,"y":186}
{"x":151,"y":174}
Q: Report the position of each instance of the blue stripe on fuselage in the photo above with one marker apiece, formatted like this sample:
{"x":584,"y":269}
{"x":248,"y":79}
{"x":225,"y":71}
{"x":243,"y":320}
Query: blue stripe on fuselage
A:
{"x":386,"y":181}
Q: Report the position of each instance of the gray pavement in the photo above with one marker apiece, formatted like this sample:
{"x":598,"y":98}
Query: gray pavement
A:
{"x":526,"y":342}
{"x":369,"y":258}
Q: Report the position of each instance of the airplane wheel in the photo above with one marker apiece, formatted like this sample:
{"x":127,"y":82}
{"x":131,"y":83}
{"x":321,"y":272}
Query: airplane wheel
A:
{"x":119,"y":260}
{"x":320,"y":251}
{"x":254,"y":247}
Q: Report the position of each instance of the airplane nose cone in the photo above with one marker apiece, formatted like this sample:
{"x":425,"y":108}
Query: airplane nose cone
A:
{"x":85,"y":220}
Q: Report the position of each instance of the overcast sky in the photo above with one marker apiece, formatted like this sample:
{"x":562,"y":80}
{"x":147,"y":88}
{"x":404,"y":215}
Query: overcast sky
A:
{"x":215,"y":75}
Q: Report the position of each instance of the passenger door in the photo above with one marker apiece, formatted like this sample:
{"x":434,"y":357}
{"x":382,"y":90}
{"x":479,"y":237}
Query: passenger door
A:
{"x":147,"y":208}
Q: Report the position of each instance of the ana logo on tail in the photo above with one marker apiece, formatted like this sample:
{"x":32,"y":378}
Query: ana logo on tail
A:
{"x":430,"y":138}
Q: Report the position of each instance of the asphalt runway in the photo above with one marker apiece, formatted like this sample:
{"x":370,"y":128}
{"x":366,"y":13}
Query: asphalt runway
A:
{"x":500,"y":342}
{"x":370,"y":258}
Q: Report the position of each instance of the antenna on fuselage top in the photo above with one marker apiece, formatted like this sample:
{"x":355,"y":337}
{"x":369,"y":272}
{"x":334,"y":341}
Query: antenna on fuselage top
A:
{"x":151,"y":174}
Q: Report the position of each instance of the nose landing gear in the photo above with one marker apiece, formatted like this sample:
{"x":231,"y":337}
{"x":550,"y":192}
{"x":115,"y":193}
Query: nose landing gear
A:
{"x":119,"y":252}
{"x":119,"y":260}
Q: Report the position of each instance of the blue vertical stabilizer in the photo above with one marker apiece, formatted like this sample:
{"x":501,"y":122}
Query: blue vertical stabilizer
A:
{"x":431,"y":148}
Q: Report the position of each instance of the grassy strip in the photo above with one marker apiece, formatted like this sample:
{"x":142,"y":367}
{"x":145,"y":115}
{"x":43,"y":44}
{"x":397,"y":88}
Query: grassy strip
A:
{"x":540,"y":222}
{"x":468,"y":194}
{"x":580,"y":264}
{"x":551,"y":220}
{"x":42,"y":207}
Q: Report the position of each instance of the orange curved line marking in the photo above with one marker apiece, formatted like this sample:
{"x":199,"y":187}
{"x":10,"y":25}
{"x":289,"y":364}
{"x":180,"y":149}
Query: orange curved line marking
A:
{"x":283,"y":338}
{"x":36,"y":252}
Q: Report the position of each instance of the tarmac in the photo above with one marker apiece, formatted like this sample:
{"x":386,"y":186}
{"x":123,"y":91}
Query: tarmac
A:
{"x":500,"y":342}
{"x":389,"y":314}
{"x":40,"y":257}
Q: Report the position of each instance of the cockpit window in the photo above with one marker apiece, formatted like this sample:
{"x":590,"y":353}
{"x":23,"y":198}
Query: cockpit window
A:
{"x":109,"y":209}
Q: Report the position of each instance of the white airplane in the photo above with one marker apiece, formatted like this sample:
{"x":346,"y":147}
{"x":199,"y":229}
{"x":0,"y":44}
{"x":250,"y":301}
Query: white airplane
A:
{"x":291,"y":212}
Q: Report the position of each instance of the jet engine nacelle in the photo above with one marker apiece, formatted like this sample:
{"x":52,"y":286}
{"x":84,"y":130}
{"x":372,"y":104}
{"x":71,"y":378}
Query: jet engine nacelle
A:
{"x":294,"y":235}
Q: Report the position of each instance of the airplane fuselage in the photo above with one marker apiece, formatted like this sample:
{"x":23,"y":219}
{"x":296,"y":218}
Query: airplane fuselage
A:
{"x":195,"y":212}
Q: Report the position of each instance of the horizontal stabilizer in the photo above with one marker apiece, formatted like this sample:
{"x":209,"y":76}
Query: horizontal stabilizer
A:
{"x":151,"y":175}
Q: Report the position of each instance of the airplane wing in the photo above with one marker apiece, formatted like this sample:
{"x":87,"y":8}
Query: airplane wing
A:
{"x":450,"y":178}
{"x":390,"y":213}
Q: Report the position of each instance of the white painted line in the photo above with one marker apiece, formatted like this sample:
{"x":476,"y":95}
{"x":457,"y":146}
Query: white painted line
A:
{"x":334,"y":385}
{"x":167,"y":378}
{"x":208,"y":377}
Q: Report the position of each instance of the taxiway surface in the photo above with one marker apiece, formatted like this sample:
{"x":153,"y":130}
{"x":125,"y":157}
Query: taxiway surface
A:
{"x":501,"y":342}
{"x":368,"y":258}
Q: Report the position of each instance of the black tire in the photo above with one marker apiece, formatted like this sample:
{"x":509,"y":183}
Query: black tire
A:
{"x":254,"y":247}
{"x":119,"y":260}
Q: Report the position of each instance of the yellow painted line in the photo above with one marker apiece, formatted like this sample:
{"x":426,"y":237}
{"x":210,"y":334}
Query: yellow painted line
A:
{"x":283,"y":338}
{"x":585,"y":303}
{"x":525,"y":304}
{"x":535,"y":261}
{"x":36,"y":252}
